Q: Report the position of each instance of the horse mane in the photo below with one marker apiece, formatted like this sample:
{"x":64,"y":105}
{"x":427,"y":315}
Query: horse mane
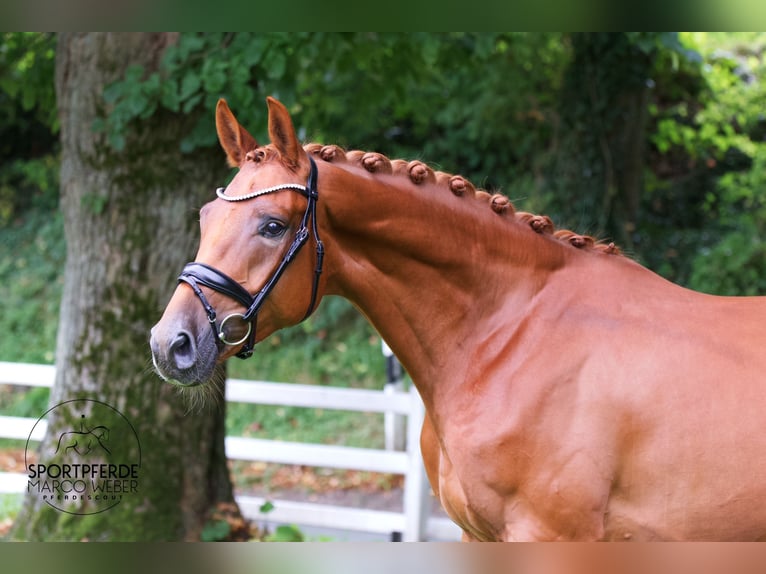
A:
{"x":418,"y":172}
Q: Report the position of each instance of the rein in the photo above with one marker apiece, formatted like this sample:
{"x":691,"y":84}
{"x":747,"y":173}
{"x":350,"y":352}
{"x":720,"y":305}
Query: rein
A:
{"x":195,"y":273}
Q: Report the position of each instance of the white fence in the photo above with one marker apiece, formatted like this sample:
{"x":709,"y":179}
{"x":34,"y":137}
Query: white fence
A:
{"x":414,"y":522}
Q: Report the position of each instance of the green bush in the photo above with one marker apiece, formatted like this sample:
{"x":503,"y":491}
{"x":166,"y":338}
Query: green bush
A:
{"x":736,"y":265}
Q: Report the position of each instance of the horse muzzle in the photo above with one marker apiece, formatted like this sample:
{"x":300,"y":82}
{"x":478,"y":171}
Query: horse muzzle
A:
{"x":181,"y":356}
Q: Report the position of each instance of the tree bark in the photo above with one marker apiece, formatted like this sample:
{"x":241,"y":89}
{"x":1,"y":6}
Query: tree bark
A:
{"x":598,"y":170}
{"x":131,"y":222}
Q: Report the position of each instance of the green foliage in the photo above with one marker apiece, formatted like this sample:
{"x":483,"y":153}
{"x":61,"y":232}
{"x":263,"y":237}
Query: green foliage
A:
{"x":215,"y":531}
{"x":28,"y":126}
{"x":285,"y":533}
{"x":704,"y":199}
{"x":197,"y":71}
{"x":26,"y":74}
{"x":716,"y":116}
{"x":440,"y":96}
{"x":487,"y":107}
{"x":28,"y":183}
{"x":31,"y":279}
{"x":736,"y":265}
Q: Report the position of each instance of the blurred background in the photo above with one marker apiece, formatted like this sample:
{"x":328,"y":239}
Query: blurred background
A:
{"x":656,"y":141}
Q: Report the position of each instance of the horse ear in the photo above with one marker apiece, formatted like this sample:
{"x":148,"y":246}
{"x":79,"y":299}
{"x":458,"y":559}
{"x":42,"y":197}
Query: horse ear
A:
{"x":282,"y":133}
{"x":235,"y":140}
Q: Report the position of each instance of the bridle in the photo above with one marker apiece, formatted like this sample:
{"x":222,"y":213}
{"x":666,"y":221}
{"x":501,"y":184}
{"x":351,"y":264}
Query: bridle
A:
{"x":196,"y":274}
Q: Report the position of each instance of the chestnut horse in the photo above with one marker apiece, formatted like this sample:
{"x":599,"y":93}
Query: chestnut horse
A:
{"x":570,"y":393}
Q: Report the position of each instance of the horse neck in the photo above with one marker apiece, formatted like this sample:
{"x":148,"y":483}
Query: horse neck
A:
{"x":424,"y":265}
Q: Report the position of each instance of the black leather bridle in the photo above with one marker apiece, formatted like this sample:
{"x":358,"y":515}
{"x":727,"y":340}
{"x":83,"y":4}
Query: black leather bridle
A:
{"x":196,"y":274}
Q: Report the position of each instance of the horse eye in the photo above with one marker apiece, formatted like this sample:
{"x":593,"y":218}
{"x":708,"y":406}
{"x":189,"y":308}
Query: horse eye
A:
{"x":272,"y":228}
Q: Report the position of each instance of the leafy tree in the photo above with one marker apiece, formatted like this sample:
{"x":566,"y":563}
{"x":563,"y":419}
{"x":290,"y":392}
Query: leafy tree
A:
{"x":464,"y":100}
{"x":702,"y":207}
{"x":28,"y":123}
{"x":732,"y":131}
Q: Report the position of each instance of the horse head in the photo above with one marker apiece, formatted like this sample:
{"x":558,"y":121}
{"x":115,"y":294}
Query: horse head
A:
{"x":250,"y":276}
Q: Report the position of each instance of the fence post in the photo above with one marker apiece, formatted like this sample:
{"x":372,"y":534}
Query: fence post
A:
{"x":394,"y":424}
{"x":417,"y":501}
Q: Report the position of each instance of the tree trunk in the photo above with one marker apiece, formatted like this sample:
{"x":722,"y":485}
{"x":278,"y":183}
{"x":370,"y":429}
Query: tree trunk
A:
{"x":131,"y":223}
{"x":598,"y":170}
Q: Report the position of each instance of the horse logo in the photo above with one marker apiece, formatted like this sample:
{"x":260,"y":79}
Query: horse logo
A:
{"x":88,"y":463}
{"x":85,"y":440}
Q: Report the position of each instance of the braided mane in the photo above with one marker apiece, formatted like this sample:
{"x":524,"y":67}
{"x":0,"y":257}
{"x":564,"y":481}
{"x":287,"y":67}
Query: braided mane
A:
{"x":418,"y":172}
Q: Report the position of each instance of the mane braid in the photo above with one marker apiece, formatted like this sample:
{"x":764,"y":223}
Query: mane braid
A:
{"x":418,"y":173}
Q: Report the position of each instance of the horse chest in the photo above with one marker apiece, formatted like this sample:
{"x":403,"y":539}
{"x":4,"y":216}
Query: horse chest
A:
{"x":520,"y":482}
{"x":469,"y":503}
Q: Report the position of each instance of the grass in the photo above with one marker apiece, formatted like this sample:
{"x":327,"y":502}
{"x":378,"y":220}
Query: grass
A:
{"x":10,"y":504}
{"x":23,"y":401}
{"x":31,"y":279}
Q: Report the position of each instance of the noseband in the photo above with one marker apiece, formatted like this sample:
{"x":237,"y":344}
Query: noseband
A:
{"x":195,"y":274}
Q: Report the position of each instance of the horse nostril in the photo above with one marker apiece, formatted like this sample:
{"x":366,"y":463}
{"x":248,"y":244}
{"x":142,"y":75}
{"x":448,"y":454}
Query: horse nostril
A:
{"x":183,"y":350}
